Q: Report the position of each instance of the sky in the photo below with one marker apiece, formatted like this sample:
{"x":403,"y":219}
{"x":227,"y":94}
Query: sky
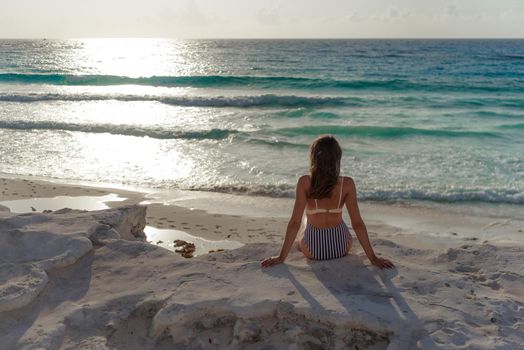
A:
{"x":262,"y":18}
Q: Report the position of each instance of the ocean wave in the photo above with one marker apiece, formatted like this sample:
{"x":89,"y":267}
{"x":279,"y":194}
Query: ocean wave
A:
{"x":275,"y":143}
{"x":499,"y":196}
{"x":246,"y":81}
{"x":302,"y":112}
{"x":512,"y":57}
{"x":152,"y":132}
{"x":247,"y":101}
{"x":127,"y":130}
{"x":262,"y":137}
{"x":303,"y":105}
{"x":489,"y":196}
{"x":219,"y":134}
{"x":512,"y":126}
{"x":492,"y":114}
{"x":378,"y":131}
{"x":168,"y":81}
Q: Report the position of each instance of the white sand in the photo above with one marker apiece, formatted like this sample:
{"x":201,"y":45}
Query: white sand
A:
{"x":86,"y":280}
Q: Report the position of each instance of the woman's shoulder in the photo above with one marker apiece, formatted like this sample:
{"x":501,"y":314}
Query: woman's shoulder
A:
{"x":348,"y":183}
{"x":347,"y":179}
{"x":304,"y":180}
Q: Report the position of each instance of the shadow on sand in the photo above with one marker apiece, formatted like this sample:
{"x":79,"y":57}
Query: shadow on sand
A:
{"x":364,"y":295}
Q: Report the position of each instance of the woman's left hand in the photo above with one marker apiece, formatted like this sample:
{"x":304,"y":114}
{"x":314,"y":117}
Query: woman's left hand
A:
{"x":382,"y":263}
{"x":274,"y":260}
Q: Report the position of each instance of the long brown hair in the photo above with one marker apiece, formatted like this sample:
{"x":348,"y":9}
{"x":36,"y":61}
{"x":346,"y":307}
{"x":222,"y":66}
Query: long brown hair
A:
{"x":325,"y":154}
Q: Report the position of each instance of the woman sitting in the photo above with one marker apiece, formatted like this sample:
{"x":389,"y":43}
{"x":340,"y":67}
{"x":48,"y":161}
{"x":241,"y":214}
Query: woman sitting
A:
{"x":322,"y":195}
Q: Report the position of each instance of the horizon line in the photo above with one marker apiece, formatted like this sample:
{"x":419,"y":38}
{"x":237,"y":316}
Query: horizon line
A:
{"x":267,"y":38}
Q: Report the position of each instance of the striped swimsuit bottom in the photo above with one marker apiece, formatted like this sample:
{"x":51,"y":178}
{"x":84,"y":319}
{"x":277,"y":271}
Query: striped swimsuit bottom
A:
{"x":327,"y":243}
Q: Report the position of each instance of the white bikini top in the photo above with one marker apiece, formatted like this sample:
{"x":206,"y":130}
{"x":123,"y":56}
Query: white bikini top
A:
{"x":337,"y":210}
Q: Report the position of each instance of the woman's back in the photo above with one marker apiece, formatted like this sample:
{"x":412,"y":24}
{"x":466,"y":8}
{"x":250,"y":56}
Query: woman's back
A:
{"x":326,"y":212}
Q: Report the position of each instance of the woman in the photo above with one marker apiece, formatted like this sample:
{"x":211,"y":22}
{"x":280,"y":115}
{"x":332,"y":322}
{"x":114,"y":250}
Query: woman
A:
{"x":323,"y":194}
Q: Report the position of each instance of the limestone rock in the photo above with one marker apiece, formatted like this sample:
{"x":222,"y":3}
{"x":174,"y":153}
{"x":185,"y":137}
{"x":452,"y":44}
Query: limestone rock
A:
{"x":20,"y":284}
{"x":129,"y":221}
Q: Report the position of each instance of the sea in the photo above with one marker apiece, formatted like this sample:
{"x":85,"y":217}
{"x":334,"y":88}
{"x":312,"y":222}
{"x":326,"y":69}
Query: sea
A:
{"x":440,"y":121}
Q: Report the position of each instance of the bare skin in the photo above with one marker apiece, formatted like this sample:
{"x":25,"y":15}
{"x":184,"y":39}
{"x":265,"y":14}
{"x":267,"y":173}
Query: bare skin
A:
{"x":323,"y":220}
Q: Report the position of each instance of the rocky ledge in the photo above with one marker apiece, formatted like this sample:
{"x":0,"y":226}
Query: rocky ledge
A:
{"x":88,"y":280}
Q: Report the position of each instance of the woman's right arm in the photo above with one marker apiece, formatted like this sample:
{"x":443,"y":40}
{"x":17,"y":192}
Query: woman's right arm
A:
{"x":360,"y":228}
{"x":292,"y":226}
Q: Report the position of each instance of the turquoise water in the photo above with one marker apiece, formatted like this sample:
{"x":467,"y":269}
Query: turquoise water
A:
{"x":438,"y":120}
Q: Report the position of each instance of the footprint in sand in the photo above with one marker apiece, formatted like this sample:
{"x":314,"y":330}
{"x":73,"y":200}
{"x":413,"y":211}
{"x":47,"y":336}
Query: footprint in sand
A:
{"x":493,"y":285}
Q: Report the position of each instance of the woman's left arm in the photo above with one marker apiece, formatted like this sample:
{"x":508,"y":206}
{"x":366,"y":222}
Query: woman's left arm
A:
{"x":292,"y":226}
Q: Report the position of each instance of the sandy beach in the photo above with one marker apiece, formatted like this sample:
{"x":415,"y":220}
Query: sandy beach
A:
{"x":88,"y":279}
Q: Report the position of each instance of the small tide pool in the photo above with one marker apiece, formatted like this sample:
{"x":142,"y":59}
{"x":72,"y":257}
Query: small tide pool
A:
{"x":166,"y":239}
{"x":60,"y":202}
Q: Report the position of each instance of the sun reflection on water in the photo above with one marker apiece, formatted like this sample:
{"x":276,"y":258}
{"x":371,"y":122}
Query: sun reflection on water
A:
{"x":134,"y":58}
{"x":152,"y":159}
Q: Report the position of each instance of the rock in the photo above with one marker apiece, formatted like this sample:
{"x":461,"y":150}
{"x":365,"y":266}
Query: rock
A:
{"x":20,"y":284}
{"x":46,"y":248}
{"x":63,"y":211}
{"x":33,"y":244}
{"x":246,"y":332}
{"x":187,"y":250}
{"x":129,"y":221}
{"x":187,"y":254}
{"x":99,"y":234}
{"x":179,"y":242}
{"x":128,"y":294}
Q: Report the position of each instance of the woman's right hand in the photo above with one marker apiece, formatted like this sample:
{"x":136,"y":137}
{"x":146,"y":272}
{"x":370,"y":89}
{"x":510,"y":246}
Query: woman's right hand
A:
{"x":273,"y":260}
